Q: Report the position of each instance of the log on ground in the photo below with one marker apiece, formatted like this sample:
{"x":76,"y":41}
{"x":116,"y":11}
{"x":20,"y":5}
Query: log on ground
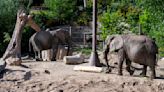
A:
{"x":88,"y":69}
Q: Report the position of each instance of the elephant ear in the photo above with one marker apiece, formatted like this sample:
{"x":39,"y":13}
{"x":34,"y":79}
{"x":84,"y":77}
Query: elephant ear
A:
{"x":116,"y":43}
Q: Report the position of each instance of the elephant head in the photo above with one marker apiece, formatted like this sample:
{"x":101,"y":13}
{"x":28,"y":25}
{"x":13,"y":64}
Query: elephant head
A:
{"x":113,"y":43}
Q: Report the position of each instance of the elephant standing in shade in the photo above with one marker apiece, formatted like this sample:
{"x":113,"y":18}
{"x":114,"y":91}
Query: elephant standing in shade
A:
{"x":133,"y":48}
{"x":49,"y":39}
{"x":63,"y":37}
{"x":43,"y":40}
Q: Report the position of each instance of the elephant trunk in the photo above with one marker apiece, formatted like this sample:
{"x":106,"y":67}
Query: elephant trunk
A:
{"x":105,"y":53}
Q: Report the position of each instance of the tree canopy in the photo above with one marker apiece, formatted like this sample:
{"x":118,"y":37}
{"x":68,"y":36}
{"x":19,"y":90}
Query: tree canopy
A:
{"x":115,"y":16}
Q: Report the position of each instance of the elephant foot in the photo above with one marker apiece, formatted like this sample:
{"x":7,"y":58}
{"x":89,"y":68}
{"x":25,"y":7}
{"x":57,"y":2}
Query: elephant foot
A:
{"x":108,"y":70}
{"x":38,"y":59}
{"x":120,"y":73}
{"x":152,"y":77}
{"x":131,"y":72}
{"x":53,"y":59}
{"x":142,"y":74}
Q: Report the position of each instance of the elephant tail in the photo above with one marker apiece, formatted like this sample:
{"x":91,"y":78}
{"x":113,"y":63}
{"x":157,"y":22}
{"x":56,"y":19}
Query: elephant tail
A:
{"x":29,"y":45}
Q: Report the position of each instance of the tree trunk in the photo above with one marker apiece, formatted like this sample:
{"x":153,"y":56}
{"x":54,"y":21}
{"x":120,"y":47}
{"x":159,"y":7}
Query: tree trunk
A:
{"x":12,"y":55}
{"x":32,"y":24}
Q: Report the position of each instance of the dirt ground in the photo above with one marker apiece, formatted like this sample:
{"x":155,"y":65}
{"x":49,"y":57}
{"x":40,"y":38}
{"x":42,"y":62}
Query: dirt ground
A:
{"x":55,"y":76}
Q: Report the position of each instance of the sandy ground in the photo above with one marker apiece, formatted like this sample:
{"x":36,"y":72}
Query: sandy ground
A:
{"x":59,"y":77}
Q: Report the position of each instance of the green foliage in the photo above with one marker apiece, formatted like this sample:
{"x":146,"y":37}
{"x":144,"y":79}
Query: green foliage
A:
{"x":84,"y":18}
{"x":148,"y":13}
{"x":109,"y":23}
{"x":119,"y":19}
{"x":7,"y":37}
{"x":115,"y":16}
{"x":62,"y":10}
{"x":40,"y":18}
{"x":8,"y":10}
{"x":86,"y":51}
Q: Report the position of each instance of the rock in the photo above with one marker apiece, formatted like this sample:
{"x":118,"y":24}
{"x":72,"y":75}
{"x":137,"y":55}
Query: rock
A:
{"x":47,"y":71}
{"x":162,"y":59}
{"x":76,"y":59}
{"x":2,"y":65}
{"x":13,"y":61}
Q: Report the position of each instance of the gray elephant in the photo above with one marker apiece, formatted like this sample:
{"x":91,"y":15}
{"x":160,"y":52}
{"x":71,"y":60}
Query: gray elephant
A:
{"x":43,"y":40}
{"x":48,"y":39}
{"x":133,"y":48}
{"x":63,"y":37}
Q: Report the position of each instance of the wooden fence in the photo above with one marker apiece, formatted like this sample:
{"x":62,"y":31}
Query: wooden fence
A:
{"x":79,"y":34}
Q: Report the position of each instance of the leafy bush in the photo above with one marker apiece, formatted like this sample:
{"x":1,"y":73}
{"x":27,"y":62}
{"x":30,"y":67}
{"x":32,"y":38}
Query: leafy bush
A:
{"x":86,"y":51}
{"x":8,"y":11}
{"x":63,"y":10}
{"x":7,"y":23}
{"x":133,"y":14}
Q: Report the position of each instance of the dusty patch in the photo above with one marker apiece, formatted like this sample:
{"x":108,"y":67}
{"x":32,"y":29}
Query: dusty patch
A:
{"x":58,"y":77}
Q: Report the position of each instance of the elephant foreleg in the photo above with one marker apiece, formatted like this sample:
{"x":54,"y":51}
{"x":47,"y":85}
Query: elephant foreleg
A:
{"x":128,"y":67}
{"x":68,"y":51}
{"x":38,"y":55}
{"x":121,"y":57}
{"x":144,"y":70}
{"x":54,"y":54}
{"x":55,"y":50}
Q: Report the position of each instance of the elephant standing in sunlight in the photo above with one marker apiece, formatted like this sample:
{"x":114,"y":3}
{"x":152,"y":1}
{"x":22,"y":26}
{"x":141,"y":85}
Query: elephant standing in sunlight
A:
{"x":133,"y":48}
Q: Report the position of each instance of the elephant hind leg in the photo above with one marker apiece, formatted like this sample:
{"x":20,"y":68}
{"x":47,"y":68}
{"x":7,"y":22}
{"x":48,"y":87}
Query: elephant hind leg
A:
{"x":37,"y":56}
{"x":153,"y":73}
{"x":144,"y":71}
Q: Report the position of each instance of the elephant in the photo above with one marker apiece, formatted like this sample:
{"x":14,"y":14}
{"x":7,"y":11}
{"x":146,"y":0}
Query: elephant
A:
{"x":132,"y":48}
{"x":48,"y":39}
{"x":43,"y":40}
{"x":63,"y":37}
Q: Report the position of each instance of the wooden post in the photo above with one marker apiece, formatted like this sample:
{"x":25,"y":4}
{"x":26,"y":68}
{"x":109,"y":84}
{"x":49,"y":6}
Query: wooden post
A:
{"x":94,"y":59}
{"x":12,"y":55}
{"x":61,"y":52}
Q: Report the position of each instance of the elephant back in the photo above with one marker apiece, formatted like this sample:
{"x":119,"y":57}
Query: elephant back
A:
{"x":151,"y":46}
{"x":44,"y":39}
{"x":62,"y":35}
